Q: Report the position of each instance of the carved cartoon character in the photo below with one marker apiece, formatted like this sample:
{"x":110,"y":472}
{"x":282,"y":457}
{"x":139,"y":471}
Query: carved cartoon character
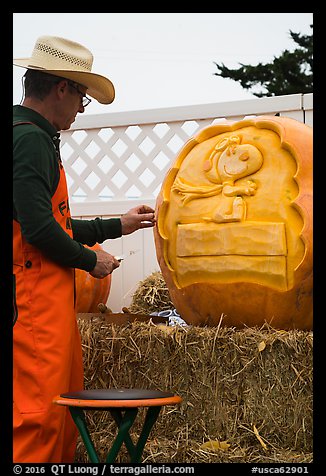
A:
{"x":229,"y":162}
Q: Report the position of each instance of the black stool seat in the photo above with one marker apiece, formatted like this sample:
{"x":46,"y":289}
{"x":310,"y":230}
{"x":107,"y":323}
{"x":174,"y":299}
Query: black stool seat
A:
{"x":116,"y":394}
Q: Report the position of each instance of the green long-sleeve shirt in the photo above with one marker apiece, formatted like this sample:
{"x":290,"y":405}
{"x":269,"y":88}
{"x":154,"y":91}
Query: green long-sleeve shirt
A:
{"x":35,"y":179}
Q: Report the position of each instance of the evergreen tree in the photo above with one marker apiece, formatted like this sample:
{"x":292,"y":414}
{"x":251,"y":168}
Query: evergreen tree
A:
{"x":290,"y":73}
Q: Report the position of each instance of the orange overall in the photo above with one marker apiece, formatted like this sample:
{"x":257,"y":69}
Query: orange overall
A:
{"x":47,"y":356}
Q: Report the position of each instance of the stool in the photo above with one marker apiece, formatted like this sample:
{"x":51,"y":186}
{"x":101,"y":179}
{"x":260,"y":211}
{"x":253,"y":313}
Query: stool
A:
{"x":123,"y":405}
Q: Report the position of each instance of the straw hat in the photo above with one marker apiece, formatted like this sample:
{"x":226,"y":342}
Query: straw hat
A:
{"x":70,"y":60}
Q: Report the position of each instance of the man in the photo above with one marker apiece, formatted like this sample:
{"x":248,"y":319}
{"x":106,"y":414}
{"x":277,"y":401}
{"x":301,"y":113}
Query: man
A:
{"x":48,"y":246}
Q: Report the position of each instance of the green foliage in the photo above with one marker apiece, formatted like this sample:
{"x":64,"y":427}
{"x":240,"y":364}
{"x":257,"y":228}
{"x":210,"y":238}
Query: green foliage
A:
{"x":290,"y":73}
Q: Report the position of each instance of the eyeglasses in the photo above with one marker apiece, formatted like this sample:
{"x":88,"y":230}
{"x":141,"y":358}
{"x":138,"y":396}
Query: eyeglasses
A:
{"x":84,"y":99}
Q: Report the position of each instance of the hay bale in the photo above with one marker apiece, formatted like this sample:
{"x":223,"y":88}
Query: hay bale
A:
{"x":249,"y":387}
{"x":151,"y":295}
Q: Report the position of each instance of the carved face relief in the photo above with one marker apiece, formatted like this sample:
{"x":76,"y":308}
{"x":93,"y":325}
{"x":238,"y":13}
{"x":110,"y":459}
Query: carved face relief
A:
{"x":240,"y":161}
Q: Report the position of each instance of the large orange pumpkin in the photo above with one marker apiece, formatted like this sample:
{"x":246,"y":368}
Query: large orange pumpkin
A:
{"x":234,"y":225}
{"x":89,"y":290}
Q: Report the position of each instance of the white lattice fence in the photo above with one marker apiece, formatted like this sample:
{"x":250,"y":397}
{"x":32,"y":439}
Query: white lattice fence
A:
{"x":122,"y":163}
{"x":116,"y":161}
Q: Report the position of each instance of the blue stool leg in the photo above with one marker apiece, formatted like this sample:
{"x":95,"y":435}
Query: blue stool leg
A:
{"x":124,"y":426}
{"x":117,"y":416}
{"x":150,"y":419}
{"x":79,"y":419}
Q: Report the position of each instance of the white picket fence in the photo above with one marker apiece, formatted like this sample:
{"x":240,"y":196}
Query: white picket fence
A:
{"x":116,"y":161}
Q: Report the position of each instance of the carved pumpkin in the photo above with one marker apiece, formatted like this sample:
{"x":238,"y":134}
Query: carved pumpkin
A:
{"x":234,"y":225}
{"x":89,"y":290}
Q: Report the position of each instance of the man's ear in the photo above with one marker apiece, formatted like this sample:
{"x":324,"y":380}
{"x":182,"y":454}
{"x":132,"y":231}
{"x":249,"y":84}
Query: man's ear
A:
{"x":62,"y":85}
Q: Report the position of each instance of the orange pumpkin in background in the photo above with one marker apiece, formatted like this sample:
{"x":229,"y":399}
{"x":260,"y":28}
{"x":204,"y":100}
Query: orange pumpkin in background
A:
{"x":91,"y":291}
{"x":234,"y":225}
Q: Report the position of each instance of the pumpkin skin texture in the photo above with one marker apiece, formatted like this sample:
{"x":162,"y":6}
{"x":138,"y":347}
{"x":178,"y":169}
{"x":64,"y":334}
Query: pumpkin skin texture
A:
{"x":91,"y":291}
{"x":234,"y":225}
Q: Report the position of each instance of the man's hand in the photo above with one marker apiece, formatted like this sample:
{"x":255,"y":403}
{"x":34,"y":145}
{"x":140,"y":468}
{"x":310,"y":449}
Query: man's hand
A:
{"x":105,"y":264}
{"x":138,"y":217}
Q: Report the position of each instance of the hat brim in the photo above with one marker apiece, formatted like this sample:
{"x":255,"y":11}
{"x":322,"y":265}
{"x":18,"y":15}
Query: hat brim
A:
{"x":98,"y":87}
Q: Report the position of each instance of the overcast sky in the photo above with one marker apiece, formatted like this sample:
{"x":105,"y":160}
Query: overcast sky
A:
{"x":160,"y":60}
